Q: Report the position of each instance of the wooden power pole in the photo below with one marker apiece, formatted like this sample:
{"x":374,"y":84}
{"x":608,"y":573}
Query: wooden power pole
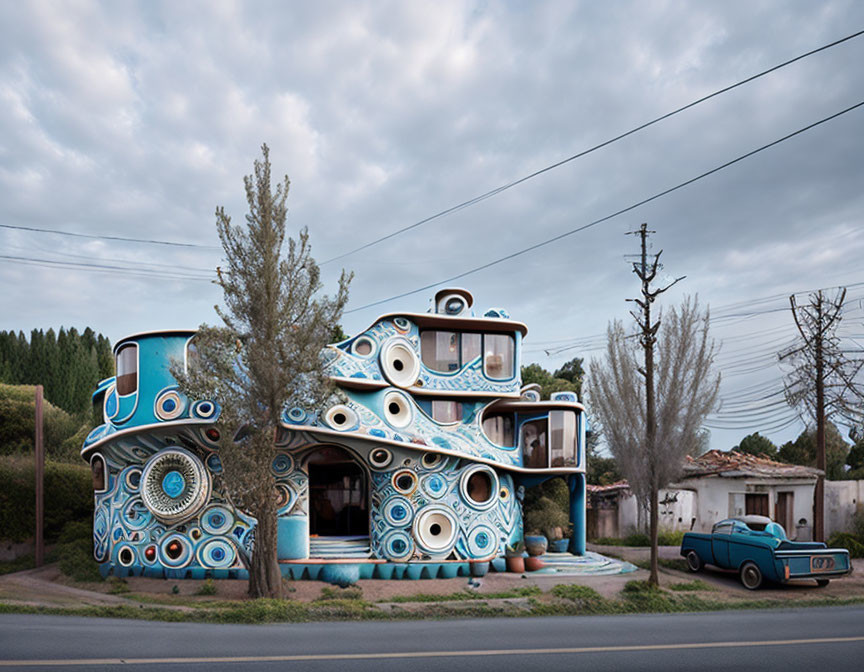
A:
{"x":816,"y":323}
{"x":647,"y":271}
{"x":40,"y":481}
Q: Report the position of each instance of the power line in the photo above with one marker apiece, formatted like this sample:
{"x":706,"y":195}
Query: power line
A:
{"x":124,"y":239}
{"x":665,"y":192}
{"x":103,"y":268}
{"x":606,"y":143}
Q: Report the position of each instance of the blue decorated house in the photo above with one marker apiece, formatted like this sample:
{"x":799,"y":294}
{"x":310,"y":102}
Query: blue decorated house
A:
{"x":417,"y":472}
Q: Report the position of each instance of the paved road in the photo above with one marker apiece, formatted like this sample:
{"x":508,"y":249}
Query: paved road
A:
{"x":796,"y":639}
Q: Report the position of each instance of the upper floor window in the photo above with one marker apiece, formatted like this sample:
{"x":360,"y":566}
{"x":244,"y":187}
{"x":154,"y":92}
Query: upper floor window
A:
{"x":439,"y":350}
{"x":192,"y":357}
{"x":449,"y":351}
{"x":446,"y":411}
{"x":535,"y":453}
{"x":498,"y":428}
{"x":562,"y":438}
{"x":498,"y":356}
{"x":127,"y":369}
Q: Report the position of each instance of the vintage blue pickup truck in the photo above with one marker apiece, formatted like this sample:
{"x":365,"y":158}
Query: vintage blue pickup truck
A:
{"x":757,"y":548}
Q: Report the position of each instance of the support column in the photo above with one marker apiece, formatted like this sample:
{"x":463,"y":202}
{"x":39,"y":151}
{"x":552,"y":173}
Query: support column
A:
{"x":576,"y":483}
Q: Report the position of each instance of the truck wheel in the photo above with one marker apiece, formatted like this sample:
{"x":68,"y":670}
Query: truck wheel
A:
{"x":694,"y":561}
{"x":821,"y":583}
{"x":751,"y":575}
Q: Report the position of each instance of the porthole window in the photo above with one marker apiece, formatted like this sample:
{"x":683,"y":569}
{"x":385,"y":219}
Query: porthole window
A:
{"x":479,"y":487}
{"x":127,"y":369}
{"x":363,"y":346}
{"x":431,"y":460}
{"x":399,"y":362}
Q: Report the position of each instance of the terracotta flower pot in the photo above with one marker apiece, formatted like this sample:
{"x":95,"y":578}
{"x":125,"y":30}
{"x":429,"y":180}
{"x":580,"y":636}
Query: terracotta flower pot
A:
{"x":516,"y":565}
{"x":532,"y":564}
{"x":536,"y":545}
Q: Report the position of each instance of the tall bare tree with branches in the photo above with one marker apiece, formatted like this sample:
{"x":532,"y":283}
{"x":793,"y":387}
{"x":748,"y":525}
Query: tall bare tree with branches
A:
{"x":823,"y":382}
{"x":266,"y":355}
{"x":637,"y":402}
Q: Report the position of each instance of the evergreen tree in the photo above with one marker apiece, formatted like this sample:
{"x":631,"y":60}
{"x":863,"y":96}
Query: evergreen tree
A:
{"x":266,"y":356}
{"x":756,"y":444}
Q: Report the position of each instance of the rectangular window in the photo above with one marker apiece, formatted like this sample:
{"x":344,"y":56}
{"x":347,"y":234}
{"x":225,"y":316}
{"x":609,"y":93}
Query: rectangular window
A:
{"x":439,"y":350}
{"x":446,"y":411}
{"x":736,"y":504}
{"x":471,"y":347}
{"x":498,"y":356}
{"x":498,"y":428}
{"x":191,"y":355}
{"x":756,"y":504}
{"x":562,"y":438}
{"x":127,"y":369}
{"x":535,"y":454}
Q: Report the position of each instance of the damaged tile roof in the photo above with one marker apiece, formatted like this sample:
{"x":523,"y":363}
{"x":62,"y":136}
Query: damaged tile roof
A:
{"x":734,"y":464}
{"x":612,"y":487}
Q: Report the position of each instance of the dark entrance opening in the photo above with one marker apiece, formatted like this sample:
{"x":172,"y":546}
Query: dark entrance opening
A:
{"x":338,"y":502}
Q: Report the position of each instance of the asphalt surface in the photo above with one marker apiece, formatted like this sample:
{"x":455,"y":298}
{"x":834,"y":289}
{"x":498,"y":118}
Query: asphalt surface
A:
{"x":796,"y":639}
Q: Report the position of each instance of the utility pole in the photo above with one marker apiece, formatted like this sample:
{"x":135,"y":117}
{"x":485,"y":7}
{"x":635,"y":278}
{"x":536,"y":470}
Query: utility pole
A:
{"x":816,"y":323}
{"x":647,"y":271}
{"x":40,"y":481}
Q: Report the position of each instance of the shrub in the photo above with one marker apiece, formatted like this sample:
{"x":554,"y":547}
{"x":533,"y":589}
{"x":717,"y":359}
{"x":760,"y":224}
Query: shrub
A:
{"x":68,"y":497}
{"x":848,"y":541}
{"x":207,"y":588}
{"x":17,"y":424}
{"x":352,"y":593}
{"x":75,"y":553}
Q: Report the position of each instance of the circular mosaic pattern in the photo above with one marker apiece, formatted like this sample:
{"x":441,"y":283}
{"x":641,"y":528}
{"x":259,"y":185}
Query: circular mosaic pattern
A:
{"x":175,"y":551}
{"x":397,"y":545}
{"x":132,"y":478}
{"x":216,"y":553}
{"x":434,"y":485}
{"x":342,"y":418}
{"x":482,"y":542}
{"x":404,"y":482}
{"x":399,"y":362}
{"x":432,"y":460}
{"x":296,"y":414}
{"x":150,"y":555}
{"x":380,"y":457}
{"x":479,"y":487}
{"x":435,"y":530}
{"x":169,"y":405}
{"x":136,"y":516}
{"x":204,"y":409}
{"x":397,"y":410}
{"x":174,"y":485}
{"x":398,"y":511}
{"x":217,"y":520}
{"x":285,"y":497}
{"x":214,"y":464}
{"x":282,"y":464}
{"x":126,"y":555}
{"x":402,"y":325}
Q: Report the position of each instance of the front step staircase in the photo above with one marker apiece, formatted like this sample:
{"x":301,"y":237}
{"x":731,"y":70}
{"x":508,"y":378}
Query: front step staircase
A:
{"x":339,"y":547}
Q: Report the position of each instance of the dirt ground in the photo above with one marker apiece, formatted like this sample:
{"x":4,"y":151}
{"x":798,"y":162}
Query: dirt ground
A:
{"x":48,"y":587}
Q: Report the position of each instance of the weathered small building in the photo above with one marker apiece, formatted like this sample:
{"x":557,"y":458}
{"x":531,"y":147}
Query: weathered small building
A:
{"x":735,"y":484}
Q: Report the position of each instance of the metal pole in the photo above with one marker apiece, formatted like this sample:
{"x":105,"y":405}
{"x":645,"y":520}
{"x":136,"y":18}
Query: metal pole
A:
{"x":40,"y":482}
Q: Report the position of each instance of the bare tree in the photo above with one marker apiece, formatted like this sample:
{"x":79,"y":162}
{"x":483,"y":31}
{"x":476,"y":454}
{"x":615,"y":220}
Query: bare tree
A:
{"x":823,"y":382}
{"x":685,"y":392}
{"x":266,"y":355}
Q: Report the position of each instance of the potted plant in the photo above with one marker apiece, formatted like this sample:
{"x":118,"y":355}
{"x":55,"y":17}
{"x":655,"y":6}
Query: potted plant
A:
{"x":544,"y":515}
{"x":535,"y":544}
{"x":513,"y":557}
{"x":559,"y":538}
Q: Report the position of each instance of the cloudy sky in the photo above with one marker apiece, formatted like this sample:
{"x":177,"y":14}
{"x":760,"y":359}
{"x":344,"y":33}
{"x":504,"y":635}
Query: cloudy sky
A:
{"x":138,"y":119}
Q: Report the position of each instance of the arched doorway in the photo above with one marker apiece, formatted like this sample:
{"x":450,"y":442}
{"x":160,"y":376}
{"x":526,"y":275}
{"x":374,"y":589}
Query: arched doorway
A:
{"x":338,"y":494}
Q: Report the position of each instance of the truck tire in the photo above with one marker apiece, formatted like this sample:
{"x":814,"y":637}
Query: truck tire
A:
{"x":694,"y":562}
{"x":751,"y":575}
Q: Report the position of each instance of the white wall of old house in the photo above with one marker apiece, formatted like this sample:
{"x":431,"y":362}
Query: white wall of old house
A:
{"x":721,"y":497}
{"x":843,"y":499}
{"x":677,"y":510}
